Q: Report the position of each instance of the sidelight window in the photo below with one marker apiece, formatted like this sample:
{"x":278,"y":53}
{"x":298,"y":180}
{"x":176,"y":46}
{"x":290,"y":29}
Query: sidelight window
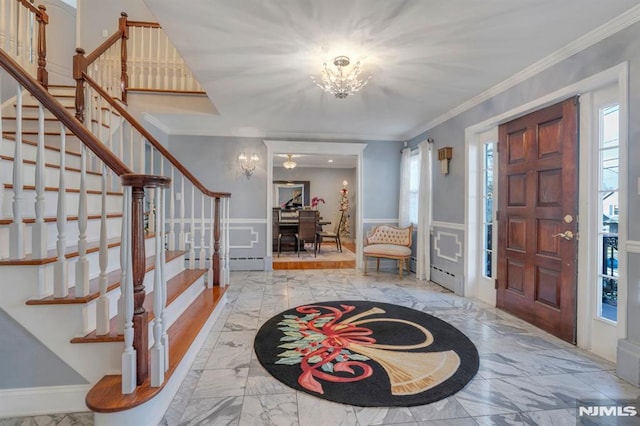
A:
{"x":608,"y":191}
{"x":487,"y":208}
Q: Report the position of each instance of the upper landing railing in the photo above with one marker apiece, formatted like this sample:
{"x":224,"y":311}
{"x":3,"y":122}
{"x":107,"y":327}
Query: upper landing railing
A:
{"x":23,"y":36}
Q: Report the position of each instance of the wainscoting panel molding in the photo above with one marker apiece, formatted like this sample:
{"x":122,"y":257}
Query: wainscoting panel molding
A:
{"x":452,"y":249}
{"x":243,"y":237}
{"x":447,"y":225}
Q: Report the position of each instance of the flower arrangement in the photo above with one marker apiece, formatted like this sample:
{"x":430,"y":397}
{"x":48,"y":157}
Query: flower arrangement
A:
{"x":315,"y":201}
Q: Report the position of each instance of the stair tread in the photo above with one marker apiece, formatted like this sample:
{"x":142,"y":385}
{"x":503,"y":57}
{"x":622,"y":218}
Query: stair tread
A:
{"x":70,"y":252}
{"x":106,"y":396}
{"x":175,"y":287}
{"x":113,"y":281}
{"x":51,"y":219}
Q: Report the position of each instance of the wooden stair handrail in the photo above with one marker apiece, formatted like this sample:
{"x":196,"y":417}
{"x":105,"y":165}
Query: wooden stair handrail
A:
{"x":29,"y":6}
{"x":143,"y":24}
{"x":148,"y":136}
{"x":64,"y":116}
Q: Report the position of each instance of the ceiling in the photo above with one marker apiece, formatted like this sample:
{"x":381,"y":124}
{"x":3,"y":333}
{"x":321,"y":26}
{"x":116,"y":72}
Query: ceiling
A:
{"x":426,"y":57}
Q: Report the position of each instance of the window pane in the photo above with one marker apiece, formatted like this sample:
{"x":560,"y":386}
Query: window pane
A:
{"x":487,"y":207}
{"x":608,"y":233}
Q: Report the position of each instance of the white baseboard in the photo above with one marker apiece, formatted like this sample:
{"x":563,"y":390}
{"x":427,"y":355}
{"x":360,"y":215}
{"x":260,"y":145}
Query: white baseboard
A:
{"x":43,"y":400}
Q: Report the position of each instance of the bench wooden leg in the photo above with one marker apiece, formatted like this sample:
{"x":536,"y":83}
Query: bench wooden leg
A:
{"x":365,"y":265}
{"x":400,"y":262}
{"x":377,"y":264}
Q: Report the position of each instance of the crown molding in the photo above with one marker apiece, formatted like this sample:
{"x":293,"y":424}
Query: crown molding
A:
{"x":225,"y":132}
{"x":615,"y":25}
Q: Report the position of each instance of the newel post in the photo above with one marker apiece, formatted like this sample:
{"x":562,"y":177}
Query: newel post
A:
{"x":79,"y":68}
{"x":138,"y":183}
{"x":124,"y":77}
{"x":215,"y":261}
{"x":43,"y":20}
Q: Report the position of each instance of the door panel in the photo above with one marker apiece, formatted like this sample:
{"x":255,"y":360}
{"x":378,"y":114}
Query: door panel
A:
{"x":537,"y":250}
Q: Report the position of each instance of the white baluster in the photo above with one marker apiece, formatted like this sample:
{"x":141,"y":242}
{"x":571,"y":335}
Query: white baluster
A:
{"x":82,"y":265}
{"x":158,"y":85}
{"x":150,"y":60}
{"x":202,"y":254}
{"x":181,"y":234}
{"x":12,"y":27}
{"x":171,"y":237}
{"x":166,"y":61}
{"x":192,"y":229}
{"x":151,"y":221}
{"x":133,"y":58}
{"x":227,"y":242}
{"x":142,"y":147}
{"x":131,"y":143}
{"x":16,"y":229}
{"x":129,"y":354}
{"x":39,"y":229}
{"x":159,"y":288}
{"x":103,"y":314}
{"x":60,"y":269}
{"x":2,"y":29}
{"x":163,"y":262}
{"x":210,"y":269}
{"x":174,"y":83}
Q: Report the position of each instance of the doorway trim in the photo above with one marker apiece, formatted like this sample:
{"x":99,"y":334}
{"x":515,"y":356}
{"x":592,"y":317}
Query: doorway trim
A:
{"x":619,"y":75}
{"x":325,"y":148}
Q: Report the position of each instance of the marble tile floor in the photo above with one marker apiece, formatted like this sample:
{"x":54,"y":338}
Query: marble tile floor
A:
{"x":526,"y":376}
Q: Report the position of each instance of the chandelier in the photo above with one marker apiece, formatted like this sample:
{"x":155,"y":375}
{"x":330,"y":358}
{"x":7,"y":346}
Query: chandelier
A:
{"x":289,"y":164}
{"x":340,"y":83}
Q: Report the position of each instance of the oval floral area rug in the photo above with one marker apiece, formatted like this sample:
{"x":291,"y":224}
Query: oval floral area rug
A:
{"x":364,"y":353}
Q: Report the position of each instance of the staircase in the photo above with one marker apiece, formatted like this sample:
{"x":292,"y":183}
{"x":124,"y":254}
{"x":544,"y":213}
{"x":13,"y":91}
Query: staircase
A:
{"x":98,"y":260}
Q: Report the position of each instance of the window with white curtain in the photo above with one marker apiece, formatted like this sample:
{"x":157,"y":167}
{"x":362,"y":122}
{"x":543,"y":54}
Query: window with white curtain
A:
{"x":414,"y":186}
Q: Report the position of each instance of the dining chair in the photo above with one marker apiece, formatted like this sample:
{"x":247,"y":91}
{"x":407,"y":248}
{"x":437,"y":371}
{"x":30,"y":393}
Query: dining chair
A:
{"x":307,"y":220}
{"x":277,"y":235}
{"x":332,"y":235}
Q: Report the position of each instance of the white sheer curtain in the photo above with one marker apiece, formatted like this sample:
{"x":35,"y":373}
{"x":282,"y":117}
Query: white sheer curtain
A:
{"x":423,"y":264}
{"x":405,"y":175}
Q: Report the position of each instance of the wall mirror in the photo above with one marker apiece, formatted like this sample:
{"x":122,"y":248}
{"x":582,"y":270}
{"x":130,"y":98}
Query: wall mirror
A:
{"x":291,"y":194}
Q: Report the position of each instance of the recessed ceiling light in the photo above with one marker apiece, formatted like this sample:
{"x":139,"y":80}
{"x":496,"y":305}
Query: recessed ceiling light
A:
{"x":330,"y":161}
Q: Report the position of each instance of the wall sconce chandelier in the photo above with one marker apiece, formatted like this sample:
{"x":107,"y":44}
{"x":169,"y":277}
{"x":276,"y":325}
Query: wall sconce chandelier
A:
{"x":289,"y":164}
{"x":339,"y":82}
{"x":445,"y":155}
{"x":248,"y":165}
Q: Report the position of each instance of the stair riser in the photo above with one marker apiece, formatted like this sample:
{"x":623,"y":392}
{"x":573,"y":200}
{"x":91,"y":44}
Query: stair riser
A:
{"x":52,"y":176}
{"x":113,"y":205}
{"x":29,"y":153}
{"x":9,"y":125}
{"x":65,"y":96}
{"x":89,"y":310}
{"x":71,"y":232}
{"x":30,"y":110}
{"x":179,"y":305}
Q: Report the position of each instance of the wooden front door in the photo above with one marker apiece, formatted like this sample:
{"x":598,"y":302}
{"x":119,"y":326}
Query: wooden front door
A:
{"x":537,"y":226}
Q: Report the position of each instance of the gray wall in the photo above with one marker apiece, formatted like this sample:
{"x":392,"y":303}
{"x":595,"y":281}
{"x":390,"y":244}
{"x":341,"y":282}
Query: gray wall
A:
{"x":28,"y":363}
{"x":448,"y":202}
{"x":214,"y":161}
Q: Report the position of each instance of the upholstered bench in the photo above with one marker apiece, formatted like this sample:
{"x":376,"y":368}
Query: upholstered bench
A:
{"x":388,"y":242}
